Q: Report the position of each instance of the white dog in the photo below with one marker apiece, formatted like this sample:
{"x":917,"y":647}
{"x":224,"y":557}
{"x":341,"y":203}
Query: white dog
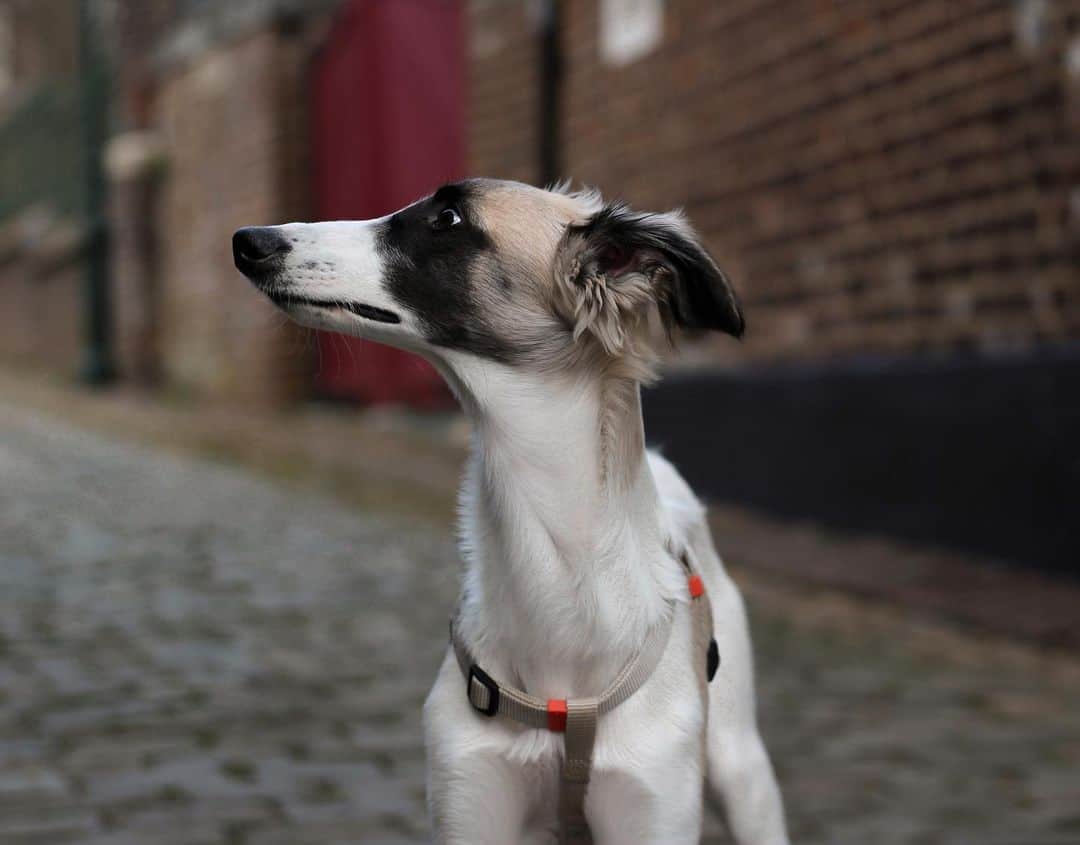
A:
{"x":573,"y":705}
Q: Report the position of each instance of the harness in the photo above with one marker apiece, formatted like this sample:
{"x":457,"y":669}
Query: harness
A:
{"x":577,"y":717}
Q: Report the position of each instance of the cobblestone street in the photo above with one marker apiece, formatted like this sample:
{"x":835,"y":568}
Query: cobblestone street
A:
{"x":193,"y":654}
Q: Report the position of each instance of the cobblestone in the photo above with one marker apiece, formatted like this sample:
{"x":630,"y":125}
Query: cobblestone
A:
{"x":192,"y":654}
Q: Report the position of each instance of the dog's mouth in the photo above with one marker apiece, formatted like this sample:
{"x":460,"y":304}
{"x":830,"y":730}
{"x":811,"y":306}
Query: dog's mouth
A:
{"x":370,"y":312}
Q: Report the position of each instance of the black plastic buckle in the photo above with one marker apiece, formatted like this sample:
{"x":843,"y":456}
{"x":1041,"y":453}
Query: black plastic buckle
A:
{"x":712,"y":659}
{"x":487,"y":683}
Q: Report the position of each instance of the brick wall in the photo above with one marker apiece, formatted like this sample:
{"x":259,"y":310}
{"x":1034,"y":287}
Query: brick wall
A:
{"x":138,"y":29}
{"x":135,"y":168}
{"x":230,"y":121}
{"x":503,"y":79}
{"x":888,"y":177}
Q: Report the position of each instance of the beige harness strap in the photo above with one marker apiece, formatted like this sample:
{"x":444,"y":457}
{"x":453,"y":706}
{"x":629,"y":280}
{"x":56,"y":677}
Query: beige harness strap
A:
{"x":491,"y":697}
{"x":578,"y":717}
{"x":581,"y":718}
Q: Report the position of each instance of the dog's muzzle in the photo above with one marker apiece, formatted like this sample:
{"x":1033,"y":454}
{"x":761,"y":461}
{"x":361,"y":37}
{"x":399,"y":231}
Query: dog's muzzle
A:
{"x":258,"y":251}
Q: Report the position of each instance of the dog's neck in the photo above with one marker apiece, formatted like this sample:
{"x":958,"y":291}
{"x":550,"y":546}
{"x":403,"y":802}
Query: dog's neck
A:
{"x":561,"y":530}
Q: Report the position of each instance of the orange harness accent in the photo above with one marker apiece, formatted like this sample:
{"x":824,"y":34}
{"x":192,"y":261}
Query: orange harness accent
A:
{"x":556,"y":712}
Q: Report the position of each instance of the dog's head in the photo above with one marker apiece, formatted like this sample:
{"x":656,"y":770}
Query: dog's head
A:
{"x":488,"y":271}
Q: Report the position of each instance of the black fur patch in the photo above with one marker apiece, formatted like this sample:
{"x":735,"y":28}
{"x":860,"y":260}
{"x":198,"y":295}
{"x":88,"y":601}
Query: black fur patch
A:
{"x":430,"y":271}
{"x":701,"y":296}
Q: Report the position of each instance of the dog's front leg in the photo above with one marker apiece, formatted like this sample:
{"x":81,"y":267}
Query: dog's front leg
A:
{"x":476,"y":796}
{"x":476,"y":799}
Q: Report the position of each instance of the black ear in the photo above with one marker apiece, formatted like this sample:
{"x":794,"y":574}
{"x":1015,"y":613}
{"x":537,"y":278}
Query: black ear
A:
{"x":688,"y":284}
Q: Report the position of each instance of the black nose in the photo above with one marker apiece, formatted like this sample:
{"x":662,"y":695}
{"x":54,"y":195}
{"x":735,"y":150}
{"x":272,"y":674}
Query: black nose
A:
{"x":255,"y":247}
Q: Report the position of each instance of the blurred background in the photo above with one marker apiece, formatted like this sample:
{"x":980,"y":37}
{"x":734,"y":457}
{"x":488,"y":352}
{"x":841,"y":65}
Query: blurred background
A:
{"x":225,"y":563}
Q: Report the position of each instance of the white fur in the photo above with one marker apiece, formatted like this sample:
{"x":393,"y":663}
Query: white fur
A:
{"x":563,"y":579}
{"x":338,"y":261}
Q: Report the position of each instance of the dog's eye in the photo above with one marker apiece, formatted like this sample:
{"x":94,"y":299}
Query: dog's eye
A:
{"x":445,"y":219}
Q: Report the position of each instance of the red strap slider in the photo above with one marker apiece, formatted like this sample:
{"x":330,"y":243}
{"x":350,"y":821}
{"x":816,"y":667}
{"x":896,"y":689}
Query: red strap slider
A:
{"x":556,"y":712}
{"x":697,"y":586}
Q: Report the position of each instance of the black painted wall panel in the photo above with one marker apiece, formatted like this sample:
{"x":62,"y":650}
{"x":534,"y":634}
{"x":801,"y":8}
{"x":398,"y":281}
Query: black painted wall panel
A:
{"x":980,"y":455}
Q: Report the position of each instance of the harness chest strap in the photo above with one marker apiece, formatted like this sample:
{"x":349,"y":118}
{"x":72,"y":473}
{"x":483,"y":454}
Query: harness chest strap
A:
{"x":577,"y":717}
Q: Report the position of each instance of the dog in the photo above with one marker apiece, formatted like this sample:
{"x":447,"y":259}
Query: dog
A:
{"x":545,"y":311}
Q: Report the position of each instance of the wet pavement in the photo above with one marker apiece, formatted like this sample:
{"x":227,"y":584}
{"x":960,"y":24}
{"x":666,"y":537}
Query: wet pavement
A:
{"x":193,"y":654}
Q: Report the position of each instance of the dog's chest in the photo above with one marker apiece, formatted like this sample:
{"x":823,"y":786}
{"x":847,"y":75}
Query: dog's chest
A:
{"x":556,"y":614}
{"x":659,"y":729}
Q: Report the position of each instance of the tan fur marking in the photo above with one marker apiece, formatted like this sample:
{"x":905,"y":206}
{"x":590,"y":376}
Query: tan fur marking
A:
{"x":527,"y":223}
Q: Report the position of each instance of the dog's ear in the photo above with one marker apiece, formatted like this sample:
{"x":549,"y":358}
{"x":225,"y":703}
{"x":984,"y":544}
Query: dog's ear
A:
{"x":619,"y":261}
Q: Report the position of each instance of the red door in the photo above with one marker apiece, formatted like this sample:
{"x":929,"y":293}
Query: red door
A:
{"x":387,"y":127}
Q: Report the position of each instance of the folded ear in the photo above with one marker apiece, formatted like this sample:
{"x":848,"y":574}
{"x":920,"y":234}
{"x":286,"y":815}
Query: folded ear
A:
{"x":619,"y":261}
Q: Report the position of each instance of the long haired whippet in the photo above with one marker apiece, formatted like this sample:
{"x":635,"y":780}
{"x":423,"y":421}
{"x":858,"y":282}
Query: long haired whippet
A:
{"x":577,"y":701}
